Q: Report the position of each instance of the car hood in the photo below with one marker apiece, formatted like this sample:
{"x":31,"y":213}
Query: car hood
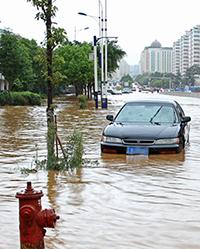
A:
{"x":148,"y":131}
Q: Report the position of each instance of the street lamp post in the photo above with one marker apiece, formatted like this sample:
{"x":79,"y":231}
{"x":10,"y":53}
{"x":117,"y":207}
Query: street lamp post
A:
{"x":100,"y":24}
{"x":104,"y":100}
{"x":104,"y":54}
{"x":75,"y":31}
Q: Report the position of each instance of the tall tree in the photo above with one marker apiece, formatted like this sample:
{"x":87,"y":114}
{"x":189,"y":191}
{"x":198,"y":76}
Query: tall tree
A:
{"x":115,"y":54}
{"x":191,"y":73}
{"x":54,"y":36}
{"x":127,"y":78}
{"x":75,"y":65}
{"x":15,"y":59}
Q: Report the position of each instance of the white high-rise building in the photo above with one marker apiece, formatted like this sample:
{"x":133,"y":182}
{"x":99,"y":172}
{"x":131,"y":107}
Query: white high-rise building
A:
{"x":176,"y":57}
{"x":194,"y":46}
{"x":124,"y":69}
{"x":186,"y":51}
{"x":156,"y":59}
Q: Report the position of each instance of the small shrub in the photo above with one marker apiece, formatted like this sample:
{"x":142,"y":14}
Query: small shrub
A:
{"x":83,"y":101}
{"x":74,"y":150}
{"x":73,"y":154}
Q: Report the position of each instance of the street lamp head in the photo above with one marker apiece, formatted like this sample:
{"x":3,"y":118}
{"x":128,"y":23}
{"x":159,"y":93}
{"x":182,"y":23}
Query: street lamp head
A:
{"x":82,"y":14}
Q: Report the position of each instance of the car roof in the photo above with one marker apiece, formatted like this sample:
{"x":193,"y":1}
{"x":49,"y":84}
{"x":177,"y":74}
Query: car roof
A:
{"x":159,"y":101}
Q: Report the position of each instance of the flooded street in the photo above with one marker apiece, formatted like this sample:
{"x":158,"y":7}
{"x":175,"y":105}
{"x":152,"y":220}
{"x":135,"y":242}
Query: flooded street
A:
{"x":118,"y":201}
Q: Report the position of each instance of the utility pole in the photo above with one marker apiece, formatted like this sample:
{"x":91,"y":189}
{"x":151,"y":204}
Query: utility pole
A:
{"x":95,"y":72}
{"x":104,"y":100}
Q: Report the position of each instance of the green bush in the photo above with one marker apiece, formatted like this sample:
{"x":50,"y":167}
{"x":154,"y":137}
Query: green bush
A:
{"x":83,"y":101}
{"x":5,"y":98}
{"x":72,"y":154}
{"x":19,"y":98}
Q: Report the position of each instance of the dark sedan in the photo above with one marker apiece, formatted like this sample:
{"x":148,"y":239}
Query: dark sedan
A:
{"x":147,"y":126}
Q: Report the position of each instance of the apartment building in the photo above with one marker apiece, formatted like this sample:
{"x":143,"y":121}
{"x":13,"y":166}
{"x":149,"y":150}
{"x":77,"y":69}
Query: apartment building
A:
{"x":176,"y":57}
{"x":156,"y":58}
{"x":186,"y":51}
{"x":194,"y":46}
{"x":124,"y":69}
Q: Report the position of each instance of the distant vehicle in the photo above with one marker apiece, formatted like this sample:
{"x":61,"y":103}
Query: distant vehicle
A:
{"x":126,"y":90}
{"x":147,"y":126}
{"x":116,"y":92}
{"x":134,"y":89}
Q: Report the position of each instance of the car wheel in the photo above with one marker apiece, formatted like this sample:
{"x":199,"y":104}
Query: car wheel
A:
{"x":181,"y":145}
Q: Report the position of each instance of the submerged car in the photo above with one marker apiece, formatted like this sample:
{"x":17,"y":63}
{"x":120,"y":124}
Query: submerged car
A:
{"x":147,"y":126}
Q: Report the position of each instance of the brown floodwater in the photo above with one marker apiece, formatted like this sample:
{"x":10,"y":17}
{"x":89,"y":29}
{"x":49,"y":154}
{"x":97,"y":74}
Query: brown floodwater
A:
{"x":115,"y":201}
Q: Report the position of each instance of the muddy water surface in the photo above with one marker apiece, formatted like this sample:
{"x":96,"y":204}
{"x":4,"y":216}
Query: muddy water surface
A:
{"x":120,"y":202}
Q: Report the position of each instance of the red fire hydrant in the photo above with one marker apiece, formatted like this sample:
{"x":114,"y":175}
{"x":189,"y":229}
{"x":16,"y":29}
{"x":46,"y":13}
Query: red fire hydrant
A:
{"x":33,"y":219}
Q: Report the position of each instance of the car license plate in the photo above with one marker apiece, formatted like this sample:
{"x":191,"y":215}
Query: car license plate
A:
{"x":137,"y":151}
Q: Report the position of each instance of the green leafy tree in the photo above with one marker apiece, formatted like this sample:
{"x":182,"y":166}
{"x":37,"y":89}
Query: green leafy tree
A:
{"x":75,"y":65}
{"x":177,"y":80}
{"x":115,"y":54}
{"x":189,"y":77}
{"x":20,"y":63}
{"x":127,"y":78}
{"x":15,"y":59}
{"x":143,"y":79}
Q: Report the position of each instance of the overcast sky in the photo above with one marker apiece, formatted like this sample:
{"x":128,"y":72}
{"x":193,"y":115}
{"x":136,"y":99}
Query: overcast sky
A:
{"x":136,"y":23}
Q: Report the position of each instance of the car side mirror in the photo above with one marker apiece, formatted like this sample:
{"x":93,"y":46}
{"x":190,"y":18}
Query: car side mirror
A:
{"x":186,"y":119}
{"x":110,"y":117}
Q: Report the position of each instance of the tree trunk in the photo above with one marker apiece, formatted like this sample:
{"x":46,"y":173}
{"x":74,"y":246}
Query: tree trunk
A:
{"x":79,"y":89}
{"x":50,"y":111}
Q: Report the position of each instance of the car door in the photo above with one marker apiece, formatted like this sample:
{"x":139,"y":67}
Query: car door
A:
{"x":186,"y":128}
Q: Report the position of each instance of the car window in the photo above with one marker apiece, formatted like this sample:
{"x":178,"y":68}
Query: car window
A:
{"x":145,"y":113}
{"x":180,"y":110}
{"x":166,"y":115}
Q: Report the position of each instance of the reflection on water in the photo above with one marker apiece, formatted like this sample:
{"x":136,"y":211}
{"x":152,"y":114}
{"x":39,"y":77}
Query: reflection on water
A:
{"x":122,"y":202}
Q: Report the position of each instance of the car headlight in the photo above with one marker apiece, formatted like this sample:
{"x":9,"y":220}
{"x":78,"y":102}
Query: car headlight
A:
{"x":111,"y":139}
{"x":167,"y":141}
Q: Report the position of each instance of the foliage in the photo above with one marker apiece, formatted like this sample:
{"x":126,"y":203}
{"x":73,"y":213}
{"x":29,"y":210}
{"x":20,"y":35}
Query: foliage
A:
{"x":115,"y":54}
{"x":74,"y":150}
{"x":15,"y":58}
{"x":189,"y":77}
{"x":29,"y":67}
{"x":24,"y":63}
{"x":177,"y":80}
{"x":5,"y":98}
{"x":127,"y":78}
{"x":72,"y":160}
{"x":21,"y":63}
{"x":157,"y":80}
{"x":75,"y":65}
{"x":19,"y":98}
{"x":142,"y":79}
{"x":54,"y":37}
{"x":83,"y":101}
{"x":73,"y":154}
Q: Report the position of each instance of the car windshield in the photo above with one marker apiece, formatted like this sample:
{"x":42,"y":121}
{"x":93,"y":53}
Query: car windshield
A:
{"x":154,"y":113}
